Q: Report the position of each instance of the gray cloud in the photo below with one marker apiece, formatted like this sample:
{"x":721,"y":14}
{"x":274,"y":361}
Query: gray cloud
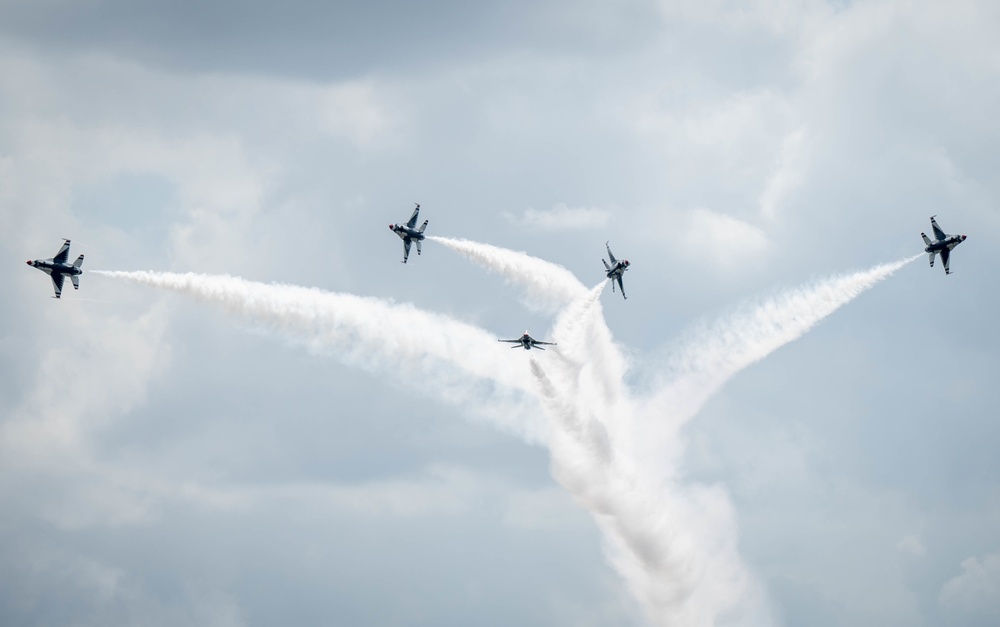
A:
{"x":206,"y":483}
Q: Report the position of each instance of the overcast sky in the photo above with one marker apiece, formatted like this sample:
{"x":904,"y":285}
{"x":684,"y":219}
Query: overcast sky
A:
{"x":165,"y":463}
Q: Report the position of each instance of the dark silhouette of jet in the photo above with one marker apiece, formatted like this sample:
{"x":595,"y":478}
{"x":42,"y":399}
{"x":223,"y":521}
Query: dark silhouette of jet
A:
{"x":527,"y":342}
{"x":942,"y":245}
{"x":616,"y":270}
{"x":409,"y":233}
{"x":57,"y":268}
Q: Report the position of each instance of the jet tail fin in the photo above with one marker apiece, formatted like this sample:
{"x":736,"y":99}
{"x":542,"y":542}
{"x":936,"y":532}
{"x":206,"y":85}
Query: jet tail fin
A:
{"x":75,"y":278}
{"x":927,"y":240}
{"x":424,"y":225}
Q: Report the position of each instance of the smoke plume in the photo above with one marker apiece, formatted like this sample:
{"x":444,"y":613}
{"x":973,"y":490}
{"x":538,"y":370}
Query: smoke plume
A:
{"x":550,"y":287}
{"x":674,"y":544}
{"x":712,"y":353}
{"x":374,"y":334}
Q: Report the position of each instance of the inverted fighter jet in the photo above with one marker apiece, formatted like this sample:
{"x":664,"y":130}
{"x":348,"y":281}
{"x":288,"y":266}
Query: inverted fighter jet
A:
{"x":409,"y":233}
{"x":942,"y":244}
{"x":616,"y":270}
{"x":527,"y":342}
{"x":57,"y":268}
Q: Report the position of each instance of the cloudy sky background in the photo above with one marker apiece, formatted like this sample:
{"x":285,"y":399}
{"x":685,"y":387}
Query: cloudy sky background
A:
{"x":162,"y":463}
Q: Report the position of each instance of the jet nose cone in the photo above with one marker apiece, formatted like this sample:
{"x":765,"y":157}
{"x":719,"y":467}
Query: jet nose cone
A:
{"x":28,"y":262}
{"x":963,"y":238}
{"x":392,"y":227}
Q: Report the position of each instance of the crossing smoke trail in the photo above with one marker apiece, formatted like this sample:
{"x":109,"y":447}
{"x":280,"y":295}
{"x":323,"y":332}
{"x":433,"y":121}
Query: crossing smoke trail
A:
{"x":675,"y":545}
{"x":374,"y":334}
{"x":550,"y":286}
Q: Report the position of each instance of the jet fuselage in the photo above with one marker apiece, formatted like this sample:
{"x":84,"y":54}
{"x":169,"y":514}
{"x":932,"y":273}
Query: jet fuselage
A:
{"x":618,"y":269}
{"x":404,"y":231}
{"x":49,"y":267}
{"x":948,"y":243}
{"x":527,"y":342}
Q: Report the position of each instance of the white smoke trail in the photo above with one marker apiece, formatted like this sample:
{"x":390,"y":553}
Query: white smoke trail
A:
{"x":550,"y":286}
{"x":675,"y":547}
{"x":372,"y":333}
{"x":716,"y":352}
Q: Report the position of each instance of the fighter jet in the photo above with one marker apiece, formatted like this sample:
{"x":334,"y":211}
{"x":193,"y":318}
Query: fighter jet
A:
{"x":58,"y":268}
{"x":942,"y":244}
{"x":409,"y":233}
{"x":528,"y":342}
{"x":616,"y":270}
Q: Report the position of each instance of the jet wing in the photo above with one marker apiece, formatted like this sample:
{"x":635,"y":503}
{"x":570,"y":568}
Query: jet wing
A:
{"x":945,"y":259}
{"x":511,"y":341}
{"x":63,"y":253}
{"x":619,"y":277}
{"x":938,"y":233}
{"x":57,"y":282}
{"x":413,"y":219}
{"x":544,"y":343}
{"x":406,"y":249}
{"x":610,"y":254}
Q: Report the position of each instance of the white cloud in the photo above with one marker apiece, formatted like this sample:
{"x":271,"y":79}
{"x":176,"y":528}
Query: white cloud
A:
{"x":767,"y":115}
{"x":912,"y":545}
{"x":358,"y":112}
{"x":722,"y":240}
{"x":788,"y":171}
{"x":562,"y":217}
{"x":976,"y":590}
